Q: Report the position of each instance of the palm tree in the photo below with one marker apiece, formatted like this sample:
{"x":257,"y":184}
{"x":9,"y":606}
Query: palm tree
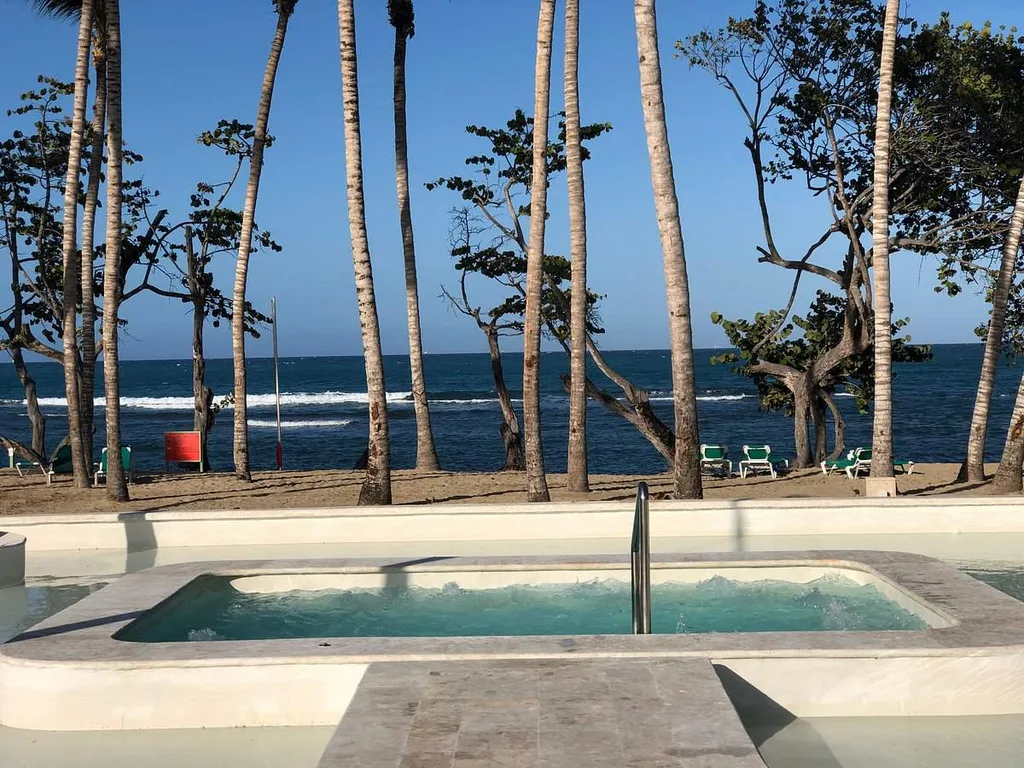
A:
{"x":117,"y":486}
{"x":92,"y":193}
{"x":973,"y":468}
{"x":284,"y":9}
{"x":881,"y":439}
{"x":578,"y":474}
{"x":536,"y":480}
{"x":69,"y":9}
{"x":377,"y":482}
{"x":1008,"y":477}
{"x":401,"y":15}
{"x":666,"y":204}
{"x":85,"y":10}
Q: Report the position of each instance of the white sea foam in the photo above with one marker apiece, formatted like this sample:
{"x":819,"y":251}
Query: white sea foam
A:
{"x":186,"y":403}
{"x":299,"y":424}
{"x":255,"y":401}
{"x":703,"y":398}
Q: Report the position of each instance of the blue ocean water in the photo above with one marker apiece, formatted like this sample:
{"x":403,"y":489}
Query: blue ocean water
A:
{"x":325,"y":416}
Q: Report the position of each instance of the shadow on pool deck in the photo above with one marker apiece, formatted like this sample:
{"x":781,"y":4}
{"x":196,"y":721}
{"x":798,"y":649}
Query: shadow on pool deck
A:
{"x":763,"y":717}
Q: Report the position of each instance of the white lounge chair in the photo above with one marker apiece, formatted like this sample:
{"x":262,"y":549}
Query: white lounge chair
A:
{"x":715,"y":459}
{"x":760,"y":457}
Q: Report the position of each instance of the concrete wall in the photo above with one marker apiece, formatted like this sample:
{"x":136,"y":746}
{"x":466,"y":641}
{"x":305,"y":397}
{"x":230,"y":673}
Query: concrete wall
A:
{"x":735,"y":519}
{"x":12,"y":559}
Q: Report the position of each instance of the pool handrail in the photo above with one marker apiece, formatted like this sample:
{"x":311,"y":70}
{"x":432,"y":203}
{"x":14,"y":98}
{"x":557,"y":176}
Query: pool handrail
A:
{"x":640,"y":561}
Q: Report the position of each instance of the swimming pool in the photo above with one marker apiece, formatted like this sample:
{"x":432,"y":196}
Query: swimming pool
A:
{"x":215,"y":608}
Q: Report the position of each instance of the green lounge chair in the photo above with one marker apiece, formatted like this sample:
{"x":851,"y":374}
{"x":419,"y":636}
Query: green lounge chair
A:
{"x":714,"y":459}
{"x":760,"y":457}
{"x":59,"y":464}
{"x":126,"y":462}
{"x":862,"y":460}
{"x":831,"y":466}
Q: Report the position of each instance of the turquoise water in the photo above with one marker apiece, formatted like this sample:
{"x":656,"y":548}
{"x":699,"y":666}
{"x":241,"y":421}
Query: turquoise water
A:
{"x":210,"y":609}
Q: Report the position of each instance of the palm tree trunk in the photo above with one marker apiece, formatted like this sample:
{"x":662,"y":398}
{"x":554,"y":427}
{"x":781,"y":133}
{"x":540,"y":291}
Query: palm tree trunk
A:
{"x":536,"y":480}
{"x":241,"y":433}
{"x":881,"y":438}
{"x":666,"y":204}
{"x":1008,"y":477}
{"x":377,"y":482}
{"x":579,"y":481}
{"x":92,"y":194}
{"x":973,"y":468}
{"x":72,"y":382}
{"x":426,"y":451}
{"x":117,"y":486}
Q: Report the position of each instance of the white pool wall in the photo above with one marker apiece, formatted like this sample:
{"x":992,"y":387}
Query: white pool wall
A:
{"x":734,"y":520}
{"x":661,"y":573}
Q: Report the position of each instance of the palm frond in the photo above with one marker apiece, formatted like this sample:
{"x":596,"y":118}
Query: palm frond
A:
{"x":58,"y":9}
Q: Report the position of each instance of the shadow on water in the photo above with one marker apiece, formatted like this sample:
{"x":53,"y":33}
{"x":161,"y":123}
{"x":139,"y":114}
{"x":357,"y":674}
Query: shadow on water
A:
{"x":140,"y":541}
{"x":764,"y":718}
{"x":397,"y":578}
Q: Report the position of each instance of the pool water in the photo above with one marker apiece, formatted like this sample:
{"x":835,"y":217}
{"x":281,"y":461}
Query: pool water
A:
{"x":211,"y":609}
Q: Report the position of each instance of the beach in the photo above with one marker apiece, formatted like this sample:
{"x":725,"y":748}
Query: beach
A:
{"x":30,"y":495}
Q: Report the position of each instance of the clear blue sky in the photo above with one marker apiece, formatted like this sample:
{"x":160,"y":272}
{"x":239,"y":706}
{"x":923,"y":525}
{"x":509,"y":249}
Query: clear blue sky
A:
{"x":471,"y":61}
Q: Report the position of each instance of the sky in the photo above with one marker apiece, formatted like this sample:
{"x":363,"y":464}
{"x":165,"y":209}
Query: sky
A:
{"x":470,"y":62}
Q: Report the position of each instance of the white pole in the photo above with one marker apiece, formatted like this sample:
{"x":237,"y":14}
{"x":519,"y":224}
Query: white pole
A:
{"x":277,"y":385}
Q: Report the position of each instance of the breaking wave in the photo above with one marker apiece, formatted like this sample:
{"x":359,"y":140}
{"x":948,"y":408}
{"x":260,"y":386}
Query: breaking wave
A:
{"x":255,"y":401}
{"x":299,"y":424}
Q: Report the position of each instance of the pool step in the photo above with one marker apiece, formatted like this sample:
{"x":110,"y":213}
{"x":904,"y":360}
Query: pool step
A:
{"x":541,"y":713}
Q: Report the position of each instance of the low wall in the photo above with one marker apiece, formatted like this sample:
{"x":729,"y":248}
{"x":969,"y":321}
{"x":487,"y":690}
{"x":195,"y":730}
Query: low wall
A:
{"x":12,"y":559}
{"x":136,"y":531}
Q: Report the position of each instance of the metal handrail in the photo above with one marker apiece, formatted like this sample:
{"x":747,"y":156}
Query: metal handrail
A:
{"x":640,"y":560}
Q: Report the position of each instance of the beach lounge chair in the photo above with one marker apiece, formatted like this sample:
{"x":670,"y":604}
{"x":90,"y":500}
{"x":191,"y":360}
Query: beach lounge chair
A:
{"x":831,"y":466}
{"x":126,"y":462}
{"x":862,"y":461}
{"x":760,"y":457}
{"x":59,"y":464}
{"x":714,"y":459}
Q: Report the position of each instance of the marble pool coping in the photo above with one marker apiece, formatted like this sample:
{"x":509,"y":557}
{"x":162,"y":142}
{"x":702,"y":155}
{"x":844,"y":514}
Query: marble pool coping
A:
{"x":979,"y":617}
{"x":69,"y":672}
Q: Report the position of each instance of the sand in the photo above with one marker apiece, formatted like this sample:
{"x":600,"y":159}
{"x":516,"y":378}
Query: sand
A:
{"x":338,"y":488}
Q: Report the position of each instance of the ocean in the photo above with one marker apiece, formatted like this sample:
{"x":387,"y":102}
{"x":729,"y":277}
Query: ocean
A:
{"x":323,"y":409}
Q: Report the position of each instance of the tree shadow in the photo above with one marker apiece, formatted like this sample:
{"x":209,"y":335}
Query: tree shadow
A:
{"x":140,"y":541}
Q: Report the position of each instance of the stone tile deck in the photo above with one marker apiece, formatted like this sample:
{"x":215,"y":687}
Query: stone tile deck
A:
{"x":611,"y":713}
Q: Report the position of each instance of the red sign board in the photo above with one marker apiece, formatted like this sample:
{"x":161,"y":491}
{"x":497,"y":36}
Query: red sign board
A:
{"x":183,"y":448}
